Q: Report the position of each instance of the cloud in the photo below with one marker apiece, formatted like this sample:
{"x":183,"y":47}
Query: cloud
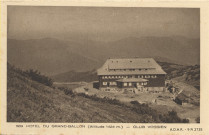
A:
{"x":107,"y":23}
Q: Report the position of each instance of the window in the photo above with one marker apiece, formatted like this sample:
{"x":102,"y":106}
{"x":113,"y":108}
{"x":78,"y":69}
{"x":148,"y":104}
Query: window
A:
{"x":105,"y":77}
{"x":142,"y":76}
{"x":147,"y":76}
{"x":145,"y":83}
{"x":113,"y":83}
{"x":102,"y":77}
{"x":129,"y":84}
{"x":113,"y":77}
{"x":142,"y":83}
{"x":124,"y":84}
{"x":153,"y":76}
{"x":104,"y":83}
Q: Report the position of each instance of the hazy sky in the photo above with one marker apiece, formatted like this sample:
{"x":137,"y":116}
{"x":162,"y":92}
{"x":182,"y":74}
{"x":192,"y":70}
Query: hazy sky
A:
{"x":101,"y":23}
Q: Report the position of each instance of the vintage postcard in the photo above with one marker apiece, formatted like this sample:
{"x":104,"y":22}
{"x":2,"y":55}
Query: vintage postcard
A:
{"x":104,"y":67}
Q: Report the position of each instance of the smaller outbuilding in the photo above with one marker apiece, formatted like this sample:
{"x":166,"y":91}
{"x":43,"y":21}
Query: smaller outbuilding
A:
{"x":181,"y":99}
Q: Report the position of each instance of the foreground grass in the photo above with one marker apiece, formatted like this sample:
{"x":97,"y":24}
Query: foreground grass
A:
{"x":30,"y":101}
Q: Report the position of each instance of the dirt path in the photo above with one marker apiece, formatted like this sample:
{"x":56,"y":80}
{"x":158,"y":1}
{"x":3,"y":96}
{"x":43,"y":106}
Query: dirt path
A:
{"x":161,"y":102}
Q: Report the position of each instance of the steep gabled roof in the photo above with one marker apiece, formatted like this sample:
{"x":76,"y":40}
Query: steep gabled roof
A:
{"x":122,"y":66}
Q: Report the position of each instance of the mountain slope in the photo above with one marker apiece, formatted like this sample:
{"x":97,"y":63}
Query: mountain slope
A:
{"x":73,"y":76}
{"x":30,"y":101}
{"x":178,"y":50}
{"x":53,"y":56}
{"x":50,"y":56}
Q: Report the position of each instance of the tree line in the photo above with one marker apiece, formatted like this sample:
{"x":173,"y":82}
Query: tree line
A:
{"x":34,"y":75}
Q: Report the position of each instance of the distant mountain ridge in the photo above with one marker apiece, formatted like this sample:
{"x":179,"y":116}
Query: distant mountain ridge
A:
{"x":73,"y":76}
{"x":53,"y":56}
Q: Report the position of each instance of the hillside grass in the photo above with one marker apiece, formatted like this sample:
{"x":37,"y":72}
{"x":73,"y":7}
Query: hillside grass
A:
{"x":31,"y":101}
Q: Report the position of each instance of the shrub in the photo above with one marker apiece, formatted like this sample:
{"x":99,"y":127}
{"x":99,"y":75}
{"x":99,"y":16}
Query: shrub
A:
{"x":67,"y":91}
{"x":34,"y":75}
{"x":37,"y":76}
{"x":198,"y":119}
{"x":134,"y":102}
{"x":171,"y":117}
{"x":185,"y":121}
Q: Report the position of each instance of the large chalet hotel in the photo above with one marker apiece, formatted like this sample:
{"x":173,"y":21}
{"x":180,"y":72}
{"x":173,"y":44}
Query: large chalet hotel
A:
{"x":131,"y":74}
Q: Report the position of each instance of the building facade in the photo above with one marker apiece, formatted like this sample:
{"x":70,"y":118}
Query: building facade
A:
{"x":131,"y":74}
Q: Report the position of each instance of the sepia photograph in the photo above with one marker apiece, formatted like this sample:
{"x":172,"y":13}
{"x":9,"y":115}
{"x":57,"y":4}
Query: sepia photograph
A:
{"x":83,"y":64}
